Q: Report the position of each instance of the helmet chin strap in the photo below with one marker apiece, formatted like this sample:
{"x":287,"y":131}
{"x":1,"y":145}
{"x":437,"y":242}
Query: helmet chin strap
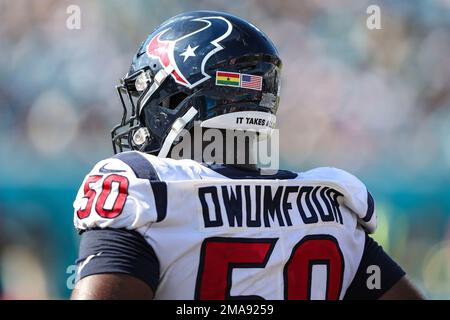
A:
{"x":176,"y":129}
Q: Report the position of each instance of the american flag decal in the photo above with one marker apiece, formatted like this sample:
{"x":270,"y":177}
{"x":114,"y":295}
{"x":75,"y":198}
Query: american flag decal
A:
{"x":249,"y":81}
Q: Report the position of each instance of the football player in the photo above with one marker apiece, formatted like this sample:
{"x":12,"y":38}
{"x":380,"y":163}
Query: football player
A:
{"x":156,"y":227}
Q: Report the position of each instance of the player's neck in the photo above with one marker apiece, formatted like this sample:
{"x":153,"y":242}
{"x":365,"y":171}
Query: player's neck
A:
{"x":240,"y":155}
{"x":231,"y":148}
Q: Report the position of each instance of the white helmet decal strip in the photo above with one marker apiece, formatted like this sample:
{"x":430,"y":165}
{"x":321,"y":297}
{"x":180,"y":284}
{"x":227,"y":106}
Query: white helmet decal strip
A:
{"x":242,"y":120}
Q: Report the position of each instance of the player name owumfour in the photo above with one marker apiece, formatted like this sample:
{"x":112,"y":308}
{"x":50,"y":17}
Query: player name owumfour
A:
{"x":268,"y":206}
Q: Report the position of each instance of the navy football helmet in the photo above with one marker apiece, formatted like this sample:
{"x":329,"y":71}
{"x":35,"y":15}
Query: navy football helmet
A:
{"x":198,"y":66}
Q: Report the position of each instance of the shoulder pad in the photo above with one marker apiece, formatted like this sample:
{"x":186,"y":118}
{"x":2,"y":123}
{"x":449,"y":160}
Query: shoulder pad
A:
{"x":120,"y":192}
{"x":167,"y":169}
{"x":356,"y":195}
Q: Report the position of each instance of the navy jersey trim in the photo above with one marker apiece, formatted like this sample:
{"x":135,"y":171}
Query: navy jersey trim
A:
{"x":239,"y":173}
{"x":143,"y":169}
{"x":390,"y":273}
{"x":370,"y":208}
{"x":117,"y":251}
{"x":160,"y":193}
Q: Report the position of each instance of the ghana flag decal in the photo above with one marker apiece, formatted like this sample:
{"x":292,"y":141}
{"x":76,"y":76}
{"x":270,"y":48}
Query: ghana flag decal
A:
{"x":240,"y":80}
{"x":228,"y":79}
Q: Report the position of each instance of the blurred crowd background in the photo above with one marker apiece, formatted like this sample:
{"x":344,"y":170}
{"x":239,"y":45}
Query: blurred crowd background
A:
{"x":373,"y":102}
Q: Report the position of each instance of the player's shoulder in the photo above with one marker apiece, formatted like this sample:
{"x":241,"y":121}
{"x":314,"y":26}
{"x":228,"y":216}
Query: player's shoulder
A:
{"x":150,"y":167}
{"x":334,"y":175}
{"x":123,"y":191}
{"x":355,"y":193}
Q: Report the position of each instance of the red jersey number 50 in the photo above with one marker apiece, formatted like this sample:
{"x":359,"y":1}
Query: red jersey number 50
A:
{"x":220,"y":255}
{"x":111,"y":200}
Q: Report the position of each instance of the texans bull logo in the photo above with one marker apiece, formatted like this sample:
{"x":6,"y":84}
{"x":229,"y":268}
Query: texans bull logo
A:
{"x":187,"y":53}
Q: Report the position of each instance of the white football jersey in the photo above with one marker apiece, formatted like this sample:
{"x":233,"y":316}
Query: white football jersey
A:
{"x":300,"y":236}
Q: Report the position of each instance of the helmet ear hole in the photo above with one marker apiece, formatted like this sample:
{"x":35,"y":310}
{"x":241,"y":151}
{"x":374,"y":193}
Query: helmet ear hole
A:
{"x":174,"y":100}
